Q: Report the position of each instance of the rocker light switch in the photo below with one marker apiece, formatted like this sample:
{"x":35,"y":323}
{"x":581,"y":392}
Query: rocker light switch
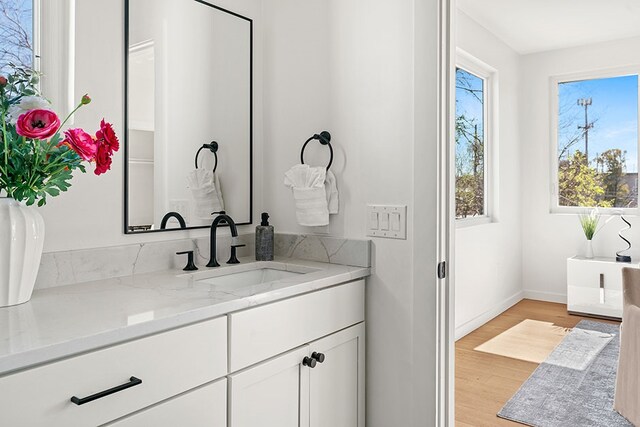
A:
{"x":384,"y":221}
{"x":390,"y":221}
{"x":373,"y":220}
{"x":395,"y":221}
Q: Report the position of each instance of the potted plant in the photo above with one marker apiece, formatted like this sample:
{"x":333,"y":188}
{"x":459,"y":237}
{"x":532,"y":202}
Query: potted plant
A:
{"x":37,"y":160}
{"x":589,"y":223}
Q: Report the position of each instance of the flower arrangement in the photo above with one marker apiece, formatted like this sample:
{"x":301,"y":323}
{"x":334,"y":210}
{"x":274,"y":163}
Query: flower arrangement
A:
{"x":589,"y":223}
{"x":38,"y":158}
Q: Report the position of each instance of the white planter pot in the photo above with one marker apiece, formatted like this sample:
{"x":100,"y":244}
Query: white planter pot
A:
{"x":589,"y":251}
{"x":21,"y":242}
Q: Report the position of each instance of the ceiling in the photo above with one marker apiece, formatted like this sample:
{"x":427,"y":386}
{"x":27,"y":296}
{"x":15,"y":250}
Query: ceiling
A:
{"x":530,"y":26}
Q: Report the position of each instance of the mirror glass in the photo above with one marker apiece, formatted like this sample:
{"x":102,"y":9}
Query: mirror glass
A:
{"x":189,"y":92}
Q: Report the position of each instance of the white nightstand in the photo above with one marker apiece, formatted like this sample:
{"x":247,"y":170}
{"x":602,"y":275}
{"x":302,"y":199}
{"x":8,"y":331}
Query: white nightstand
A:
{"x":594,"y":286}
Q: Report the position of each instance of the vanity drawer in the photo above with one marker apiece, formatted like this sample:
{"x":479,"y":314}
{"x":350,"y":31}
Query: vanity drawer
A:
{"x":262,"y":332}
{"x":203,"y":407}
{"x":168,"y":363}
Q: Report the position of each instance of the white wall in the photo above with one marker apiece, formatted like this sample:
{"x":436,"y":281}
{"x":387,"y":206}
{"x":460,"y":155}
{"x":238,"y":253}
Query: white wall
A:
{"x":91,"y":213}
{"x":549,"y":239}
{"x":359,"y":69}
{"x":366,"y":70}
{"x":488,"y":256}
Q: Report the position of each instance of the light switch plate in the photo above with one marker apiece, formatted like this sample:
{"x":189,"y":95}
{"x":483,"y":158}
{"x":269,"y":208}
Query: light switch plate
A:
{"x":390,"y":221}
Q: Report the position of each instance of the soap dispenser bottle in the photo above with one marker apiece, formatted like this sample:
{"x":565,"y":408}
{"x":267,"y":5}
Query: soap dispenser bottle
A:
{"x":264,"y":239}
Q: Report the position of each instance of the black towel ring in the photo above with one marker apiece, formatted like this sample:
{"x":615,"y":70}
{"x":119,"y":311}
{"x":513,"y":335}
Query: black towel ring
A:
{"x":325,"y":139}
{"x":213,"y":147}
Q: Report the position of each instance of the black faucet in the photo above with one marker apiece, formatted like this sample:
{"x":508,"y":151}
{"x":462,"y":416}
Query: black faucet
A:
{"x":223,"y":218}
{"x":176,"y":215}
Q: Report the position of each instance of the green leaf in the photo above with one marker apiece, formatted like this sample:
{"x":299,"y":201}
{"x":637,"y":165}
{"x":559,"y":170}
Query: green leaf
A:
{"x":52,"y":191}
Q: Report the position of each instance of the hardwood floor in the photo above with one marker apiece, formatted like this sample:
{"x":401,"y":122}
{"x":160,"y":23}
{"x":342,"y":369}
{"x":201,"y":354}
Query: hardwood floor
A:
{"x":484,"y":382}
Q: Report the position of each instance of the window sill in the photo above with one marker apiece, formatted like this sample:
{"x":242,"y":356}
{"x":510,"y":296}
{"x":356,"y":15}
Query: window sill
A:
{"x":471,"y":222}
{"x":569,"y":210}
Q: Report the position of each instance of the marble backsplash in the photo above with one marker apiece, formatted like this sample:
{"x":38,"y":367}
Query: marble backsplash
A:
{"x":66,"y":268}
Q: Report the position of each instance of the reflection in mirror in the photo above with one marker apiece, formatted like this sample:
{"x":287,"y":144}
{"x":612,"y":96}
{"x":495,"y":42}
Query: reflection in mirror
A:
{"x":189,"y":112}
{"x":16,"y":31}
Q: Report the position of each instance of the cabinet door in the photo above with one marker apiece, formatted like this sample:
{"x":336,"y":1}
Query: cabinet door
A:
{"x":336,"y":386}
{"x":272,"y":394}
{"x":204,"y":407}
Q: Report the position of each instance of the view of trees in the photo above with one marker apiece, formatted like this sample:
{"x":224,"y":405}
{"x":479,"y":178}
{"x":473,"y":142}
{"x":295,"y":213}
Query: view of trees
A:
{"x":603,"y":184}
{"x":470,"y":150}
{"x":16,"y":33}
{"x":597,"y":143}
{"x":600,"y":180}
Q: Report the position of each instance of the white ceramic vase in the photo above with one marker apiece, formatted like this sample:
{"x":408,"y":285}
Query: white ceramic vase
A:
{"x":589,"y":250}
{"x":21,"y":242}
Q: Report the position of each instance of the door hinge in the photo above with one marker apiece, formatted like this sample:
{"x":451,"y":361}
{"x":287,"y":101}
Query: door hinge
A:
{"x":442,"y":269}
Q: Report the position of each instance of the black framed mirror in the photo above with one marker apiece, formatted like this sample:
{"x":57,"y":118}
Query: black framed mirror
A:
{"x":188,"y":140}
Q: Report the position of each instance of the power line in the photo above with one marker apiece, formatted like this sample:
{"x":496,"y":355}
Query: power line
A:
{"x":586,"y":102}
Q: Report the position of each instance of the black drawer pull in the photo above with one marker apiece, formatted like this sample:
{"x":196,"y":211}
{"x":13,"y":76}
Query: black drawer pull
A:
{"x":133,"y":381}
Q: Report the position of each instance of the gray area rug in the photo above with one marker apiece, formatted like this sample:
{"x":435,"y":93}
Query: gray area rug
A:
{"x":575,"y":386}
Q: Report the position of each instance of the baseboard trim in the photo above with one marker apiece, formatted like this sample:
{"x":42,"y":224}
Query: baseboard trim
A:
{"x":483,"y":318}
{"x":546,"y":296}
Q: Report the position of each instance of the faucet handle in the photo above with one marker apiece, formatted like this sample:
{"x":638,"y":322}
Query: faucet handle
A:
{"x":191,"y":266}
{"x":235,"y":242}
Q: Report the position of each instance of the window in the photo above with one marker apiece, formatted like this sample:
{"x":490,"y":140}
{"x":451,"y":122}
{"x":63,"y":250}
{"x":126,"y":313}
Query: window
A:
{"x":16,"y":33}
{"x":596,"y":162}
{"x":471,"y":133}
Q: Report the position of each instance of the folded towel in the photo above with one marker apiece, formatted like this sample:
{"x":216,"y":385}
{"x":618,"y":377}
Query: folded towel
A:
{"x":310,"y":195}
{"x":311,"y":206}
{"x":207,"y":196}
{"x":331,"y":187}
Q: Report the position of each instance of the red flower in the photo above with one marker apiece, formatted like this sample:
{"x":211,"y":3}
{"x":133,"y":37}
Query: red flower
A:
{"x":82,"y":143}
{"x":3,"y":81}
{"x":103,"y":160}
{"x":38,"y":124}
{"x":107,"y":136}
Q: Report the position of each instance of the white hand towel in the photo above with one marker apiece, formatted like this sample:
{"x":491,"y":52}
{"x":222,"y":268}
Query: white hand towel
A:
{"x":308,"y":187}
{"x":331,"y":187}
{"x":206,"y":193}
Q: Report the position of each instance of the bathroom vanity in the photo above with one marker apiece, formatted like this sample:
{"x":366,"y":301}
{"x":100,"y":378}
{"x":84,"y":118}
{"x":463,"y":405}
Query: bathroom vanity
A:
{"x":259,"y":343}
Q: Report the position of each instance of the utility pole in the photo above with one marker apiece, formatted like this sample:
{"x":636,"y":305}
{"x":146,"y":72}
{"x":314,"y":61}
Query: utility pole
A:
{"x":586,"y":102}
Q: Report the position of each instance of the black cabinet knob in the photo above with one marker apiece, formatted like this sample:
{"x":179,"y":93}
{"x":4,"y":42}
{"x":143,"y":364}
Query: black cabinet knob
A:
{"x":308,"y":361}
{"x":318,"y":356}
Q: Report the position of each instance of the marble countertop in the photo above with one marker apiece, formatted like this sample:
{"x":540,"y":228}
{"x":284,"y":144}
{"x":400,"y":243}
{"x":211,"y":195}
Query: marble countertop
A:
{"x":67,"y":320}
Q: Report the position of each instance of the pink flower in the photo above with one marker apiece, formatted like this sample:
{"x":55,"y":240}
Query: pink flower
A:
{"x":38,"y":124}
{"x":103,"y":159}
{"x":82,"y":143}
{"x":3,"y":81}
{"x":107,"y":136}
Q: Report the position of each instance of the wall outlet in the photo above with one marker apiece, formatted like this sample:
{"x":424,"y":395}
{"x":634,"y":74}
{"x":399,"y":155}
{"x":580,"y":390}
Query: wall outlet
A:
{"x":387,"y":221}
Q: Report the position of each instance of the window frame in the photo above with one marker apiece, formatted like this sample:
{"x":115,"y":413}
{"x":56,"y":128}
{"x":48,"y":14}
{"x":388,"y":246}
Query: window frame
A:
{"x":489,"y":76}
{"x":554,"y":82}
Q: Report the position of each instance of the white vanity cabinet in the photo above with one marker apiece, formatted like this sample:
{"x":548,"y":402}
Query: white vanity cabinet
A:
{"x":165,"y":364}
{"x":314,"y":375}
{"x":297,"y":361}
{"x":320,"y":384}
{"x":274,"y":393}
{"x":336,"y":386}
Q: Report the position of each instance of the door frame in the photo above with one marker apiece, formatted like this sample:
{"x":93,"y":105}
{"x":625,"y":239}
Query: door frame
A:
{"x":446,"y":214}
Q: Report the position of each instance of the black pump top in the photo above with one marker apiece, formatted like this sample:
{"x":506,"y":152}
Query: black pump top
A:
{"x":265,"y":219}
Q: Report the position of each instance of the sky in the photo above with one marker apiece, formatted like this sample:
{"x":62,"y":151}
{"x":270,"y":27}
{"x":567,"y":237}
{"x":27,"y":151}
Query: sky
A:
{"x":614,"y":112}
{"x":469,"y":105}
{"x":22,"y":11}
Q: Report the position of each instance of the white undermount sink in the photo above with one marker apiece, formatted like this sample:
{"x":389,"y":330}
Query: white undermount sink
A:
{"x":249,"y":278}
